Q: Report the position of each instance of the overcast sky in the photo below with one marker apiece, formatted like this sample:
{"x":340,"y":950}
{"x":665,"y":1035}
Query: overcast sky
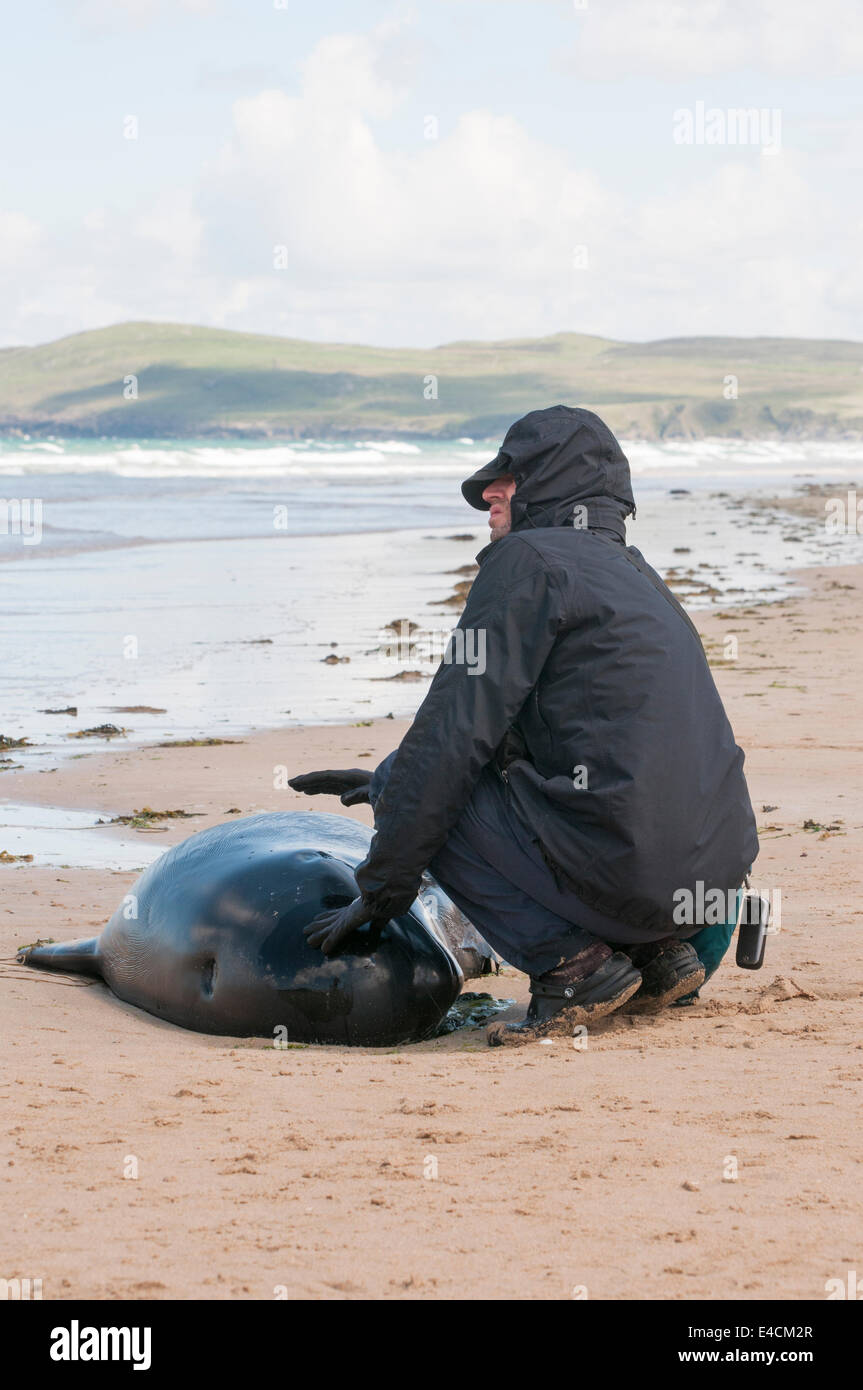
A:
{"x":554,"y":197}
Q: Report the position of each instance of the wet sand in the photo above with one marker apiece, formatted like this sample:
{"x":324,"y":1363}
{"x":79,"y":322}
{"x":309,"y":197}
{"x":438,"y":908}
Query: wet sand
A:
{"x":449,"y":1169}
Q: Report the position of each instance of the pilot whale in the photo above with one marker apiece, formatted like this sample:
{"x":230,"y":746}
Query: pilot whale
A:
{"x":210,"y":937}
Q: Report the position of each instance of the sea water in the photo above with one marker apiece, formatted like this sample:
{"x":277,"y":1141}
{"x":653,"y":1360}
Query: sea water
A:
{"x":228,"y":586}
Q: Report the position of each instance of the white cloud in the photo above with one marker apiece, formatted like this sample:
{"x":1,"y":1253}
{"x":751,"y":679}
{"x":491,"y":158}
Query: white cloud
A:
{"x":308,"y":172}
{"x":678,"y":38}
{"x":741,"y":250}
{"x":19,"y":239}
{"x":471,"y":235}
{"x":110,"y":15}
{"x":173,"y":224}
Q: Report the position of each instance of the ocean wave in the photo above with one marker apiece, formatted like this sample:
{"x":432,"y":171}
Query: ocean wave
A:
{"x":389,"y":446}
{"x":321,"y":459}
{"x":136,"y":461}
{"x":738,"y":457}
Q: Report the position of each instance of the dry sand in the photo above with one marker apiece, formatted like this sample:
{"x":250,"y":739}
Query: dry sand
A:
{"x":449,"y":1169}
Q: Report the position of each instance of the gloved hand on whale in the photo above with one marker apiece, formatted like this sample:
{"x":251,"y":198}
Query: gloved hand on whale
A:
{"x":350,"y":785}
{"x":330,"y":929}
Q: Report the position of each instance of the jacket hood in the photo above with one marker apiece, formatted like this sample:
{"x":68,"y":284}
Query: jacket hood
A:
{"x":561,"y":458}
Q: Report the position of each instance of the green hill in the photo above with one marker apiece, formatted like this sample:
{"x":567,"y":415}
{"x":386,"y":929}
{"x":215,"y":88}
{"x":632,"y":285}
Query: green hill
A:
{"x":210,"y":382}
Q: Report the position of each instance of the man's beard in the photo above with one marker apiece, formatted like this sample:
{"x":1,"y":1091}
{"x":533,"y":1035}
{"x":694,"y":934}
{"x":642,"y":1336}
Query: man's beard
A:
{"x":498,"y":532}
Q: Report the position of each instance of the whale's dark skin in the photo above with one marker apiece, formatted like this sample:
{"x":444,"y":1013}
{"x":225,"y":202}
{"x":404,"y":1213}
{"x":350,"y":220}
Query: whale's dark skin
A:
{"x":210,"y":937}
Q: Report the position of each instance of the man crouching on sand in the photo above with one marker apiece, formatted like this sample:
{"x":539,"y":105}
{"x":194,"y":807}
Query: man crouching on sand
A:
{"x":565,"y":794}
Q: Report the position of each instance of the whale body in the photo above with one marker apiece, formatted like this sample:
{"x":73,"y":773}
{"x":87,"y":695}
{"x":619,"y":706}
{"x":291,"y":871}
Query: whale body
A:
{"x":210,"y":937}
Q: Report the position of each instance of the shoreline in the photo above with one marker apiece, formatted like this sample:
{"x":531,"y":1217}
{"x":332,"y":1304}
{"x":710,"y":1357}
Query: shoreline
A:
{"x":16,"y":431}
{"x":235,"y":636}
{"x":279,"y":746}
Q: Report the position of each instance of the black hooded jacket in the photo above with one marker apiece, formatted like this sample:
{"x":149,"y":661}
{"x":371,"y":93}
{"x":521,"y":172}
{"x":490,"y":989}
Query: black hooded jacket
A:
{"x":629,"y":776}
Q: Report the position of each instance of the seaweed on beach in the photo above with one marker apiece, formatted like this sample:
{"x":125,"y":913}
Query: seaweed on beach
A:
{"x":108,"y":731}
{"x":7,"y":858}
{"x":198,"y":742}
{"x":135,"y":709}
{"x":472,"y":1011}
{"x":403,"y":676}
{"x":825,"y":832}
{"x":458,"y":598}
{"x":7,"y":742}
{"x":147,"y":816}
{"x":401,"y":625}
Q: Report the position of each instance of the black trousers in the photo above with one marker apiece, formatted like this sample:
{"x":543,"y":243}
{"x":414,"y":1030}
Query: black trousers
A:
{"x":495,"y":873}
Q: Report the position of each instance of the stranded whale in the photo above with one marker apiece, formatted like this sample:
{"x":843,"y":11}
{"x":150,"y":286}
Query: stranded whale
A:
{"x":210,"y":937}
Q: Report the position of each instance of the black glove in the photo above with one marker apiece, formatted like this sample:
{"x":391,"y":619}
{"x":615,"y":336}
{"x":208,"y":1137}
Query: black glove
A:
{"x":330,"y":929}
{"x":351,"y":784}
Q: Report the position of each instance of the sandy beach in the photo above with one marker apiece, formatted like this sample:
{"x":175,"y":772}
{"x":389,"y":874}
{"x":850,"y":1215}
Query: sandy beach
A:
{"x":711,"y":1151}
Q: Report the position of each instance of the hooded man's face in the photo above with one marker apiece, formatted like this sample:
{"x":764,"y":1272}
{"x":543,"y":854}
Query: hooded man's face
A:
{"x":498,"y":494}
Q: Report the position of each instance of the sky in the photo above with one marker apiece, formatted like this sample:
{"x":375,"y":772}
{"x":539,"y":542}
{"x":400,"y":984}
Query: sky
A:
{"x":409,"y":174}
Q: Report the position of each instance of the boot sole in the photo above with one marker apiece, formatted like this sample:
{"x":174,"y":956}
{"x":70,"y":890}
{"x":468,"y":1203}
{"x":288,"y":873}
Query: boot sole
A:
{"x":652,"y":1003}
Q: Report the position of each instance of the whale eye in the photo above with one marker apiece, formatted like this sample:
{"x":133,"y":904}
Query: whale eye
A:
{"x":208,"y":978}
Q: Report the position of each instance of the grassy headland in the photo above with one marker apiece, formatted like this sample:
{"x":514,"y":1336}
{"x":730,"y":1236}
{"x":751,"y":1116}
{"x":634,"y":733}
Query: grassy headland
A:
{"x":211,"y":382}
